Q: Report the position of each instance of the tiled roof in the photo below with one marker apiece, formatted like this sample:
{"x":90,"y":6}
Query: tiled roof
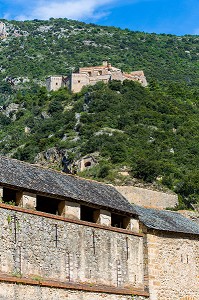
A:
{"x":166,"y":220}
{"x":33,"y":178}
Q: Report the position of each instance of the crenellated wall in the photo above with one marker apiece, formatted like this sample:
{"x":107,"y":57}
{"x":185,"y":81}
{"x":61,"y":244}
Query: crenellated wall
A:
{"x":35,"y":246}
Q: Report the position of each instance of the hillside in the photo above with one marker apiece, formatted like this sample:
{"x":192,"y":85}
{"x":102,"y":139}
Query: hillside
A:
{"x":151,"y":132}
{"x":35,"y":49}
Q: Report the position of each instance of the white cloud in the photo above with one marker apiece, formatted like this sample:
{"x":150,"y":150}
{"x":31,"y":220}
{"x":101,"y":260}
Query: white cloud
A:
{"x":71,"y":9}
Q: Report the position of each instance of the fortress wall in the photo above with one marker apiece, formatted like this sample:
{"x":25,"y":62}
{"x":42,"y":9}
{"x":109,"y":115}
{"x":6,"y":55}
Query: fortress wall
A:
{"x":35,"y":246}
{"x":78,"y":81}
{"x":54,"y":83}
{"x":23,"y":292}
{"x":173,"y":266}
{"x":148,"y":198}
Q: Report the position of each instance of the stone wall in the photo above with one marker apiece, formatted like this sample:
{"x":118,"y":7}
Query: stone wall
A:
{"x":54,"y":83}
{"x":173,"y":266}
{"x":24,"y":292}
{"x":148,"y":198}
{"x":35,"y":246}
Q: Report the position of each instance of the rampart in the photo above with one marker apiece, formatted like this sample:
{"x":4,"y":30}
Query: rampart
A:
{"x":59,"y":258}
{"x":148,"y":198}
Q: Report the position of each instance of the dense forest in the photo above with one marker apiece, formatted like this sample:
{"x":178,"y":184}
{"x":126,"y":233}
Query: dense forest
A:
{"x":151,"y":131}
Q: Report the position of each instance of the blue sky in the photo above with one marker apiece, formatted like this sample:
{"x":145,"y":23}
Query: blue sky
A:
{"x":160,"y":16}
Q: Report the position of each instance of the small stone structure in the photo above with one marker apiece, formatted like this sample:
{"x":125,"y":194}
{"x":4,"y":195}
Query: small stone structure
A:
{"x":148,"y":198}
{"x":91,"y":75}
{"x":68,"y":238}
{"x":86,"y":162}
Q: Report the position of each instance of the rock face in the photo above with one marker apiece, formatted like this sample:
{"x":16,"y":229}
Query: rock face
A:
{"x":49,"y":157}
{"x":2,"y":30}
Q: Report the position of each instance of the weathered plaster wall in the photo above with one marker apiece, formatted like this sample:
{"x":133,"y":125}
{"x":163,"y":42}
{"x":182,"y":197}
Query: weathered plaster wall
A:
{"x":173,"y":266}
{"x":35,"y":246}
{"x":22,"y":292}
{"x":148,"y":198}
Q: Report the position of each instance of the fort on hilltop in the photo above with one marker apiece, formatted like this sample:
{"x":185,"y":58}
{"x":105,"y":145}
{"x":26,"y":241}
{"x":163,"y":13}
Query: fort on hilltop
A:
{"x":91,"y":75}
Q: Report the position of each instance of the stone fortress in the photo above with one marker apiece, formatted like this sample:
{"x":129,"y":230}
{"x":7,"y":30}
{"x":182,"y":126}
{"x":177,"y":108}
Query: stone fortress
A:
{"x":64,"y":237}
{"x":91,"y":75}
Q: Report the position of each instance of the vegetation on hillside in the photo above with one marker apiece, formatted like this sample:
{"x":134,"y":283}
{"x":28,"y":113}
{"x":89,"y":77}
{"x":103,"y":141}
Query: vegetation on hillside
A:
{"x":151,"y":131}
{"x":35,"y":49}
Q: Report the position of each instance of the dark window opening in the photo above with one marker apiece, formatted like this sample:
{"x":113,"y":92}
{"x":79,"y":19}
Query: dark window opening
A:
{"x":89,"y":214}
{"x":9,"y":196}
{"x":56,"y":83}
{"x":87,"y":164}
{"x":89,"y":74}
{"x":119,"y":221}
{"x":48,"y":205}
{"x":99,"y":72}
{"x":79,"y":81}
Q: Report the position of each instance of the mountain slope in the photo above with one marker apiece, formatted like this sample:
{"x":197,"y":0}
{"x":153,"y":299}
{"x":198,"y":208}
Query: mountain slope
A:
{"x":35,"y":49}
{"x":150,"y":131}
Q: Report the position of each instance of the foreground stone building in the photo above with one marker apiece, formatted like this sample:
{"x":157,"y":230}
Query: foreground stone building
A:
{"x":63,"y":237}
{"x":91,"y":75}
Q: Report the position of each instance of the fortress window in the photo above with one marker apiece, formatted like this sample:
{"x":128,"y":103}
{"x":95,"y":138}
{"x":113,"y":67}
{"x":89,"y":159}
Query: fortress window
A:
{"x":89,"y":74}
{"x":79,"y":81}
{"x":89,"y":214}
{"x":56,"y":83}
{"x":119,"y":221}
{"x":9,"y":196}
{"x":48,"y":205}
{"x":99,"y":72}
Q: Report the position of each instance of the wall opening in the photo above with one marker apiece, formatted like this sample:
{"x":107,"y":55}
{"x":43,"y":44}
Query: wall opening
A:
{"x":119,"y":221}
{"x":9,"y":196}
{"x":89,"y":214}
{"x":48,"y":205}
{"x":99,"y":73}
{"x":89,"y":74}
{"x":87,"y":164}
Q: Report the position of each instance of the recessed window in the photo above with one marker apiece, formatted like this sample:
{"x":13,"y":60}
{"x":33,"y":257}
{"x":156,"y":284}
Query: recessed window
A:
{"x":9,"y":196}
{"x":99,"y":72}
{"x":56,"y":83}
{"x":48,"y":205}
{"x":89,"y":74}
{"x":79,"y":81}
{"x":119,"y":221}
{"x":89,"y":214}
